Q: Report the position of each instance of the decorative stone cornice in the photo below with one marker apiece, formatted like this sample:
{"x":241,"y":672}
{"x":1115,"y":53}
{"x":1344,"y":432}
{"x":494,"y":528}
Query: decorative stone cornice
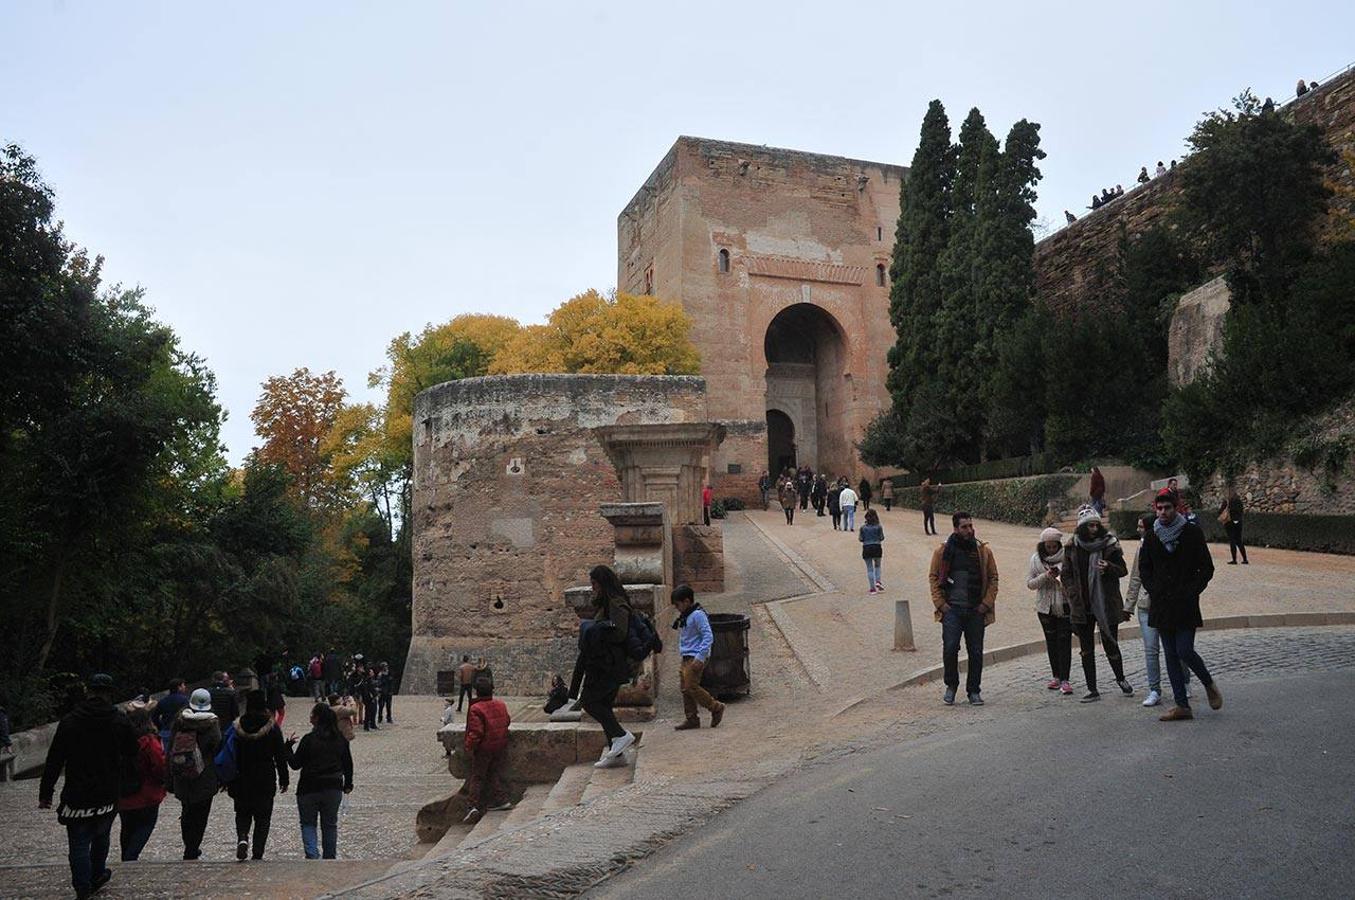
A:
{"x":803,"y":270}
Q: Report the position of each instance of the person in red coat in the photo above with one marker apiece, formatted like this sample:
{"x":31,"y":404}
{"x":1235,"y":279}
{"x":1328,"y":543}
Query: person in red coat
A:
{"x":487,"y":723}
{"x":140,"y":810}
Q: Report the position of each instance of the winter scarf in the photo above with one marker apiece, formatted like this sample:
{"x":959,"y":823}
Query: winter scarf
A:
{"x":682,"y":619}
{"x":1096,"y":593}
{"x":1169,"y":535}
{"x":1059,"y":604}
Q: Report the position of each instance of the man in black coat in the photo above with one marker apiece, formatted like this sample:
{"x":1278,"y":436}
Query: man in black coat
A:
{"x":225,"y":702}
{"x":92,"y":745}
{"x":1176,"y":567}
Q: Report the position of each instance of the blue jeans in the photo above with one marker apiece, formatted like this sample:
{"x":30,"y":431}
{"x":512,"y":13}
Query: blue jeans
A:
{"x":955,"y":623}
{"x":88,"y":840}
{"x":849,"y":517}
{"x":325,"y":805}
{"x":873,"y":571}
{"x":1179,"y":646}
{"x":135,"y":830}
{"x":1152,"y":640}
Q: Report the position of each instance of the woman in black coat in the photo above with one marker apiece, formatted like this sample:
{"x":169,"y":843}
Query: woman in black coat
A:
{"x":261,"y":759}
{"x":603,"y":664}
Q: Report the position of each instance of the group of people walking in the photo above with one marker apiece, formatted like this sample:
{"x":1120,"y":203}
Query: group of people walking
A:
{"x":1076,"y":581}
{"x":803,"y":488}
{"x":123,"y":763}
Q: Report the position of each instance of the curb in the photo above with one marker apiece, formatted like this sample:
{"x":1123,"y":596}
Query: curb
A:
{"x":1219,"y":623}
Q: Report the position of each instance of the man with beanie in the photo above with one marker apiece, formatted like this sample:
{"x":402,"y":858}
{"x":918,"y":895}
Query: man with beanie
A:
{"x":695,"y":639}
{"x":1176,"y":567}
{"x":91,"y":746}
{"x":963,"y":578}
{"x":1092,"y":568}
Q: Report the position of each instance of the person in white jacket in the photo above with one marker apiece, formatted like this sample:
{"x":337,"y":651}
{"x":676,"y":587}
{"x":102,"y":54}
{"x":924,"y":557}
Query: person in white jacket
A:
{"x":1052,"y":607}
{"x":1136,"y":600}
{"x":847,"y":501}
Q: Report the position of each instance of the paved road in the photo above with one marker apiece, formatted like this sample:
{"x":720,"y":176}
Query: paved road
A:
{"x":1257,"y":800}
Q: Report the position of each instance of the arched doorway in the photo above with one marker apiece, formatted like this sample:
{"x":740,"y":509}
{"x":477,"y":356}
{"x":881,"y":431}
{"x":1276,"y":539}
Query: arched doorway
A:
{"x":806,"y":355}
{"x":780,"y":442}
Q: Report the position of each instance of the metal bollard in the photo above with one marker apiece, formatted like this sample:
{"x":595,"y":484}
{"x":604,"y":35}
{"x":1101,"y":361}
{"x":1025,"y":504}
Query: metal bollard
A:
{"x":903,"y":626}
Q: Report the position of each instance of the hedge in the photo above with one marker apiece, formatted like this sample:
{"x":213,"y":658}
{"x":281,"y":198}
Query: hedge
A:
{"x":1014,"y":467}
{"x":1019,"y":501}
{"x":1286,"y":531}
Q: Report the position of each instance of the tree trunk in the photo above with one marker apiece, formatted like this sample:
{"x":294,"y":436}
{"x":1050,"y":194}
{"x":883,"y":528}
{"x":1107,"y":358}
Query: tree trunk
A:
{"x":53,"y":601}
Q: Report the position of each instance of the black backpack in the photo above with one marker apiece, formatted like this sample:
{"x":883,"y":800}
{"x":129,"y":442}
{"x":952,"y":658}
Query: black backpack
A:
{"x":642,"y":638}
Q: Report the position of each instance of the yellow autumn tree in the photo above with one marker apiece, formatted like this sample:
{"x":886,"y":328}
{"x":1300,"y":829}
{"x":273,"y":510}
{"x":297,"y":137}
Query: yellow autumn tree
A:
{"x":618,"y":333}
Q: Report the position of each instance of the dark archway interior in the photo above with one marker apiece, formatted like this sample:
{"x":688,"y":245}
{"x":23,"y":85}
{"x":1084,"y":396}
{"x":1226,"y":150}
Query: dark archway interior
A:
{"x":806,"y":352}
{"x":780,"y":442}
{"x":795,"y":334}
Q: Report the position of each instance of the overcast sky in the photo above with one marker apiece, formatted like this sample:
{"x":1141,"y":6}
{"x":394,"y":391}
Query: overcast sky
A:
{"x":294,"y":184}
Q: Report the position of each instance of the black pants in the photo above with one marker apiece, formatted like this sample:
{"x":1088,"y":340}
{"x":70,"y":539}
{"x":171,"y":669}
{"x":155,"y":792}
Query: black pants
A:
{"x":1058,"y":642}
{"x":369,"y":713}
{"x":597,"y":699}
{"x":790,"y":514}
{"x":928,"y":520}
{"x":804,"y":501}
{"x":1235,"y":544}
{"x":837,"y":519}
{"x":465,"y":692}
{"x":818,"y":505}
{"x":1110,"y":642}
{"x":384,"y":707}
{"x":254,"y":811}
{"x":889,"y":503}
{"x":193,"y":825}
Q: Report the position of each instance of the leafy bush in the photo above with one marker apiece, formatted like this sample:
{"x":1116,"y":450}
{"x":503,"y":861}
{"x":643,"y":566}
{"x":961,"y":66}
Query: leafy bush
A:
{"x":1286,"y":531}
{"x":1019,"y":501}
{"x":718,"y":508}
{"x":732,"y":504}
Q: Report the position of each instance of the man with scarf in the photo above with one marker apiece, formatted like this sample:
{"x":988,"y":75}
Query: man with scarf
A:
{"x":963,"y":578}
{"x":1092,"y":568}
{"x":1176,"y":567}
{"x":695,"y":639}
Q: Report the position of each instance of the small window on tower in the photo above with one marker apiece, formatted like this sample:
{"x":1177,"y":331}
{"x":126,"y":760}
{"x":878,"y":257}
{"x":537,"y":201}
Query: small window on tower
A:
{"x":880,"y":274}
{"x":879,"y":232}
{"x":722,"y":261}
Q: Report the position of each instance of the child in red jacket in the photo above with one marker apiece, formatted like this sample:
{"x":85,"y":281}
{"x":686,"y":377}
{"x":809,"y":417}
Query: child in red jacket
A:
{"x":487,"y":723}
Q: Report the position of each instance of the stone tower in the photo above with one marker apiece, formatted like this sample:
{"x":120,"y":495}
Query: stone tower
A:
{"x":781,"y":258}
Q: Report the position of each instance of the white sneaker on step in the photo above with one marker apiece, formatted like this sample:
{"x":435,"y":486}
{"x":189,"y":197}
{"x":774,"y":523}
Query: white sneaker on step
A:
{"x":619,"y":745}
{"x":611,"y":762}
{"x":1153,"y":699}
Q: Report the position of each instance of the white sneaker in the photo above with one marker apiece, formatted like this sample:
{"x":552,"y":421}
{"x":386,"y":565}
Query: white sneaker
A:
{"x":619,"y":746}
{"x":1153,"y":699}
{"x":611,"y":762}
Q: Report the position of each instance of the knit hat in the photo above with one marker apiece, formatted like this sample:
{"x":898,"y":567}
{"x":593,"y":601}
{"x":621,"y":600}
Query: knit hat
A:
{"x":201,"y":700}
{"x":1051,"y":534}
{"x":1087,"y":514}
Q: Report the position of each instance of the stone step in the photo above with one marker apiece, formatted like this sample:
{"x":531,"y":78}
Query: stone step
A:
{"x":604,"y":781}
{"x":568,"y":790}
{"x":489,"y":823}
{"x":529,"y":807}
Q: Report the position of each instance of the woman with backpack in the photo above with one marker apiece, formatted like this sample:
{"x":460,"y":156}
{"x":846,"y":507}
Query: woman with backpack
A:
{"x":326,"y":768}
{"x":139,"y":810}
{"x":193,"y":743}
{"x":261,"y":770}
{"x":603,"y":663}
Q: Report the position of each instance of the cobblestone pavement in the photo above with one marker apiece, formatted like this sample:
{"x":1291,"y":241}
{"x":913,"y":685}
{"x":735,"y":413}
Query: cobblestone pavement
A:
{"x":396,"y":771}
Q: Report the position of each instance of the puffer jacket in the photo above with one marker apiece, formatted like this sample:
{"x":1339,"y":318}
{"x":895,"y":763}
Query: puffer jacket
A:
{"x":261,"y":757}
{"x":150,"y":768}
{"x":208,"y":731}
{"x":487,"y":723}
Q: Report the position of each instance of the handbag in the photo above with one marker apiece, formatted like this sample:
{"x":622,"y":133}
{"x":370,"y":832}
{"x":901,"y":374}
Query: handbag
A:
{"x":1224,"y":517}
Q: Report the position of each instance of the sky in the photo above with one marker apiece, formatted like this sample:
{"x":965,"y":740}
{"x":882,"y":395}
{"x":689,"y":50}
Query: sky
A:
{"x":294,"y":184}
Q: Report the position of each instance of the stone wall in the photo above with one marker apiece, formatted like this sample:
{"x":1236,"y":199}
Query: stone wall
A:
{"x":508,"y":479}
{"x":699,"y":558}
{"x":1196,"y":329}
{"x":1072,"y":265}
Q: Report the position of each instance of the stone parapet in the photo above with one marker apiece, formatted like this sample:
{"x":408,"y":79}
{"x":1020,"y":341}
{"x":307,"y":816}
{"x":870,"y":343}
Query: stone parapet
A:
{"x":699,"y":558}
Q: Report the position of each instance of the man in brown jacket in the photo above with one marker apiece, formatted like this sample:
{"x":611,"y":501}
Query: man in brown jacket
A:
{"x":963,"y":578}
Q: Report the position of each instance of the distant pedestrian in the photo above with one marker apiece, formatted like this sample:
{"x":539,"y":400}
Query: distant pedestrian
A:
{"x":804,"y":483}
{"x":225,"y":702}
{"x":345,"y":716}
{"x":167,"y":709}
{"x":1092,"y":568}
{"x":1069,"y":217}
{"x":847,"y":500}
{"x":277,"y":697}
{"x":695,"y":640}
{"x":487,"y":723}
{"x":465,"y":674}
{"x":326,"y":767}
{"x":1301,"y":89}
{"x":385,"y":684}
{"x":1137,"y":602}
{"x":764,"y":486}
{"x":261,"y":763}
{"x":1143,"y":175}
{"x":787,"y":494}
{"x":1160,"y":171}
{"x":357,"y":691}
{"x":707,"y":498}
{"x":315,"y":671}
{"x":192,"y":749}
{"x":1098,"y":490}
{"x":92,"y":747}
{"x":333,"y":672}
{"x":928,"y":493}
{"x":887,"y":493}
{"x":603,"y":664}
{"x":1176,"y":568}
{"x":1051,"y":607}
{"x":963,"y":578}
{"x":872,"y":536}
{"x":1230,"y":517}
{"x":864,"y":493}
{"x":818,"y":495}
{"x":371,"y":702}
{"x":835,"y":504}
{"x":139,"y":810}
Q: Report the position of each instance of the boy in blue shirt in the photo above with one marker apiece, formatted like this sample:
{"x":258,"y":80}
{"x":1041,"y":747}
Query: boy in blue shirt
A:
{"x":694,"y":642}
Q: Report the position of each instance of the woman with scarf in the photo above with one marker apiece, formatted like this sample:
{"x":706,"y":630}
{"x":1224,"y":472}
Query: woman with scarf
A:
{"x":1052,"y":607}
{"x":603,"y":665}
{"x":1093,"y":565}
{"x":1138,"y":600}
